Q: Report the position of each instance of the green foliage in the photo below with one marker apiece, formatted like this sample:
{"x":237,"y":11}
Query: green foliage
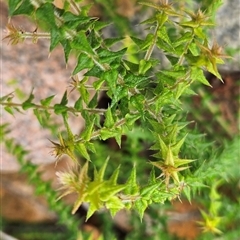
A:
{"x":141,"y":94}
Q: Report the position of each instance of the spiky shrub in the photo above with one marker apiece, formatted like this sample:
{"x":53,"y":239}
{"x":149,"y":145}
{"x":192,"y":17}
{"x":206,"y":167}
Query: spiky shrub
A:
{"x":142,"y":94}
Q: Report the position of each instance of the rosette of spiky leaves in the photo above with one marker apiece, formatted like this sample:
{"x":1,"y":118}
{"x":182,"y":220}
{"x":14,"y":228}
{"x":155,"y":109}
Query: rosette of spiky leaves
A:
{"x":170,"y":164}
{"x":103,"y":193}
{"x":75,"y":181}
{"x":97,"y":192}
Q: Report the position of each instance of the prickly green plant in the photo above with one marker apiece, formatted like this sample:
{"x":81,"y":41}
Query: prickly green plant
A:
{"x":141,"y":93}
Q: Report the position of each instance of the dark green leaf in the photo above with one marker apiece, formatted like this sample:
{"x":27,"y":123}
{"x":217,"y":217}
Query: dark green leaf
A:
{"x":17,"y":7}
{"x":46,"y":102}
{"x":55,"y":38}
{"x":46,"y":13}
{"x":59,"y":109}
{"x":95,"y":71}
{"x":81,"y":43}
{"x":28,"y":103}
{"x":84,"y":62}
{"x":110,"y":77}
{"x":66,"y":47}
{"x":78,"y":104}
{"x":64,"y":99}
{"x":72,"y":18}
{"x":108,"y":56}
{"x":119,"y":93}
{"x":110,"y":41}
{"x":94,"y":101}
{"x":131,"y":80}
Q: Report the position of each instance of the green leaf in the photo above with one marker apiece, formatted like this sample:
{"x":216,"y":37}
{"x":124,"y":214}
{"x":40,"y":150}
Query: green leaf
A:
{"x":81,"y":148}
{"x":98,"y":25}
{"x":197,"y":74}
{"x":114,"y":177}
{"x":67,"y":48}
{"x":109,"y":121}
{"x":17,"y":7}
{"x":38,"y":114}
{"x":64,"y":99}
{"x":9,"y":110}
{"x":59,"y":109}
{"x":186,"y":37}
{"x":139,"y":42}
{"x":131,"y":118}
{"x":148,"y":190}
{"x":94,"y":101}
{"x":46,"y":13}
{"x":55,"y":38}
{"x":89,"y":127}
{"x":97,"y":84}
{"x":144,"y":66}
{"x":131,"y":185}
{"x":176,"y":147}
{"x":114,"y":205}
{"x":131,"y":80}
{"x":76,"y":19}
{"x":98,"y":176}
{"x":84,"y":93}
{"x":140,"y":206}
{"x":138,"y":102}
{"x":162,"y":33}
{"x":110,"y":41}
{"x":78,"y":104}
{"x":194,"y":49}
{"x":143,"y":44}
{"x":84,"y":62}
{"x":107,"y":56}
{"x":81,"y":43}
{"x":110,"y":77}
{"x":109,"y":133}
{"x":95,"y":71}
{"x":28,"y":103}
{"x":47,"y":101}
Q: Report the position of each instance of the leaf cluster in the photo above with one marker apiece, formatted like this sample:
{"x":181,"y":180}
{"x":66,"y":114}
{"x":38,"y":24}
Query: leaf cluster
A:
{"x":140,"y":92}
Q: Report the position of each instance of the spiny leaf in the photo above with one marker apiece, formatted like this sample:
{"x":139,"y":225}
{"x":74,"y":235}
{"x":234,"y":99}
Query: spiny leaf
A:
{"x":131,"y":185}
{"x":81,"y":43}
{"x":110,"y":41}
{"x":109,"y":121}
{"x":176,"y":147}
{"x":84,"y":62}
{"x":141,"y":205}
{"x":81,"y":148}
{"x":46,"y":102}
{"x":100,"y":174}
{"x":197,"y":74}
{"x":114,"y":177}
{"x":89,"y":127}
{"x":28,"y":103}
{"x":20,"y":7}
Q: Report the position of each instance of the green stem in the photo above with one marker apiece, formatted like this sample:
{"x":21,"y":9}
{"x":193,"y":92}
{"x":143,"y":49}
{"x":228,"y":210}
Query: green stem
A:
{"x":151,"y":47}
